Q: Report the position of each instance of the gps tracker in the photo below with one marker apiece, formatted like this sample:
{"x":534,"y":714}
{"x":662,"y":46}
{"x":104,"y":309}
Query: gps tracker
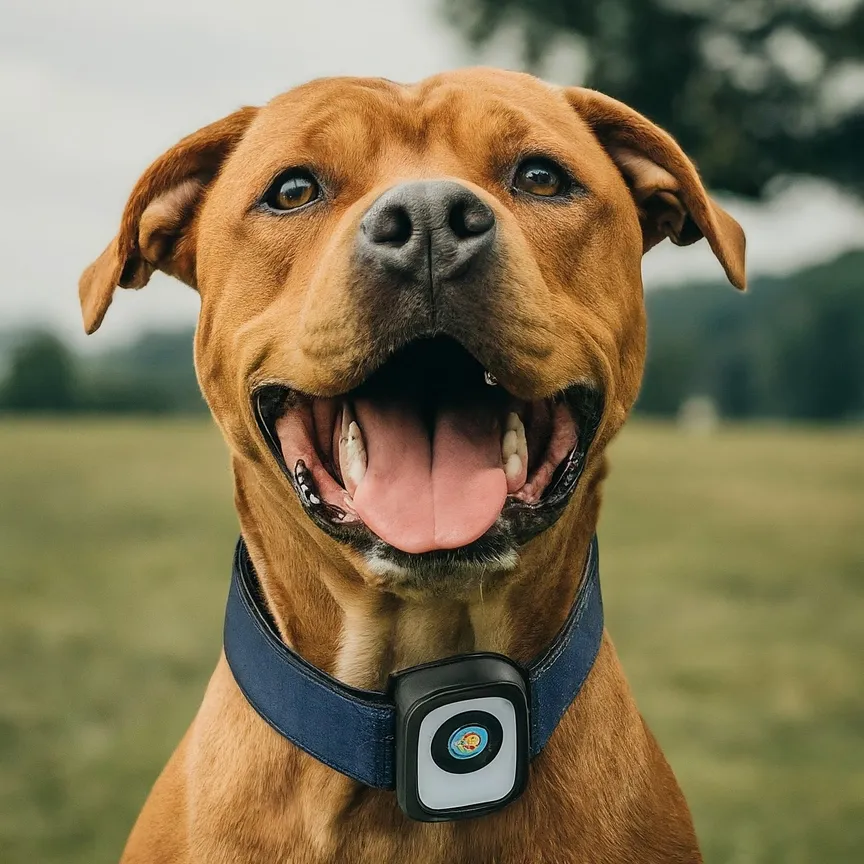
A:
{"x":461,"y":737}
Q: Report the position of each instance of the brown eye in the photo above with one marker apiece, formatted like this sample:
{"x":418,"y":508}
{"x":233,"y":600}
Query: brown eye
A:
{"x":540,"y":177}
{"x":292,"y":190}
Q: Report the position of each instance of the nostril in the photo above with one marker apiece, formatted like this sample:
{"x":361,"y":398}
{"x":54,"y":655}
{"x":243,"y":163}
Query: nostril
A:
{"x":389,"y":225}
{"x":470,"y":218}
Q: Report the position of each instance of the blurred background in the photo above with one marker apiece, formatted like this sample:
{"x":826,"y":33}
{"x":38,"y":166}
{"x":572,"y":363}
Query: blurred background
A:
{"x":732,"y":529}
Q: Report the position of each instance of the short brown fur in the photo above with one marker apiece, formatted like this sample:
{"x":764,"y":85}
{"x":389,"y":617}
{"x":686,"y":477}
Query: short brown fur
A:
{"x":277,"y":304}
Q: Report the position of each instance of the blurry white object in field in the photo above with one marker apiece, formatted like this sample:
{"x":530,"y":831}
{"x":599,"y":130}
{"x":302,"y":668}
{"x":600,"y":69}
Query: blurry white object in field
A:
{"x":698,"y":415}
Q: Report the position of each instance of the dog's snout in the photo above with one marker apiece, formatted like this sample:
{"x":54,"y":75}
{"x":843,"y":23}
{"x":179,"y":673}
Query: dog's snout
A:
{"x":436,"y":225}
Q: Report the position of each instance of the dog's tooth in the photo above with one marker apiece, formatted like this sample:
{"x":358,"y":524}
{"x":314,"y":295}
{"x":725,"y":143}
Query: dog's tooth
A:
{"x":352,"y":453}
{"x":515,"y":442}
{"x":509,"y":444}
{"x":345,"y":422}
{"x":514,"y":452}
{"x":522,"y":448}
{"x":344,"y":434}
{"x":513,"y":467}
{"x":490,"y":379}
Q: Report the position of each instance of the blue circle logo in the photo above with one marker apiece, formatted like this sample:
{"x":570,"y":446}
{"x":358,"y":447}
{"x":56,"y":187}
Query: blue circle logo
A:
{"x":468,"y":742}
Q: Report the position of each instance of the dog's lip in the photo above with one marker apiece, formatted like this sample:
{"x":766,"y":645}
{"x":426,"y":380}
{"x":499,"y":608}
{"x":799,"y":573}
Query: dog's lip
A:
{"x":271,"y":399}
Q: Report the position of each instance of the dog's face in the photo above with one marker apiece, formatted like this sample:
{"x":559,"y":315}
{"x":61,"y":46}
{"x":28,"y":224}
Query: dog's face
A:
{"x":421,"y":307}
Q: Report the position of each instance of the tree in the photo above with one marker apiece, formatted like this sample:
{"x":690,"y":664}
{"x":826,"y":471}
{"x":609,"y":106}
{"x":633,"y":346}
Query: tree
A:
{"x":752,"y":89}
{"x":792,"y":349}
{"x":41,"y":376}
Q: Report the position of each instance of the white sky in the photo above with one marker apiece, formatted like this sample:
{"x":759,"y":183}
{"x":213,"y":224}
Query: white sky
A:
{"x":92,"y":90}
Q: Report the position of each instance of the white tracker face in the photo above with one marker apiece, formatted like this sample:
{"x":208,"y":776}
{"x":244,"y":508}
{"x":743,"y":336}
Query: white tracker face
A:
{"x":439,"y":789}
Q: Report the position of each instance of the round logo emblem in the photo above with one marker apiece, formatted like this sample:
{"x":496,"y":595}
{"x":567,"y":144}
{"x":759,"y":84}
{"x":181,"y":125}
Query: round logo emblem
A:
{"x":468,"y":742}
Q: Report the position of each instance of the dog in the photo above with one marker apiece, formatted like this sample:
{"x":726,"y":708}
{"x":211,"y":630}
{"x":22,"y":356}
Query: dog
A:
{"x":392,"y":280}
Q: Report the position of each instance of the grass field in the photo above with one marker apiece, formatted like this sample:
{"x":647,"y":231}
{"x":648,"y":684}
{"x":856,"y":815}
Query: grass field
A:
{"x":733,"y":573}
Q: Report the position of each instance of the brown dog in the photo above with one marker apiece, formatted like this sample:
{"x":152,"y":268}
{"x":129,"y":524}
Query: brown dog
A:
{"x":365,"y":252}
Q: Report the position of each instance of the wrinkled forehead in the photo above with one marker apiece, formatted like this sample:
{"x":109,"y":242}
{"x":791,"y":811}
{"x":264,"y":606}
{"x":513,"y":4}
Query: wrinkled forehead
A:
{"x":474,"y":120}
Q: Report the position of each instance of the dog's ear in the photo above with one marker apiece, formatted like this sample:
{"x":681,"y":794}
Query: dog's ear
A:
{"x":157,"y":231}
{"x":665,"y":184}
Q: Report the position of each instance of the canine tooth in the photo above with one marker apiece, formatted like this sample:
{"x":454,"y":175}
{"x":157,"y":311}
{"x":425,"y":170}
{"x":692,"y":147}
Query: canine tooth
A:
{"x":490,"y":379}
{"x":352,"y":452}
{"x":314,"y":499}
{"x":356,"y":453}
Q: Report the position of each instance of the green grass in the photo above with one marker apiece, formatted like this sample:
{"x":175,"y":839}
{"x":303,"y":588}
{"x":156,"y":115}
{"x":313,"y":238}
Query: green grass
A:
{"x":733,"y":572}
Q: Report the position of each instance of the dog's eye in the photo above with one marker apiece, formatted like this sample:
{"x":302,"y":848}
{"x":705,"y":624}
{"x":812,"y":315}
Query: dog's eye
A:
{"x":291,"y":190}
{"x":540,"y":177}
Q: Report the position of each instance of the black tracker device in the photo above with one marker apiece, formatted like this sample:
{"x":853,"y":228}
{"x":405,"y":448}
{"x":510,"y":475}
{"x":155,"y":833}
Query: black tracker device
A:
{"x":462,"y":737}
{"x":454,"y":737}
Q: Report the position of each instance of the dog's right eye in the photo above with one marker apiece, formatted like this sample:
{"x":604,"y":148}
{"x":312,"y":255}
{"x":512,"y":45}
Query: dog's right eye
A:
{"x":542,"y":178}
{"x":292,"y":190}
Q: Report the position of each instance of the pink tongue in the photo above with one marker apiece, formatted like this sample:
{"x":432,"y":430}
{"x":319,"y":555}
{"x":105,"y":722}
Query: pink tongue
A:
{"x":419,"y":495}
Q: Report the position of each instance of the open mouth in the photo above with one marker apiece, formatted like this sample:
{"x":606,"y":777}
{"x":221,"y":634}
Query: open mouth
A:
{"x":429,"y":454}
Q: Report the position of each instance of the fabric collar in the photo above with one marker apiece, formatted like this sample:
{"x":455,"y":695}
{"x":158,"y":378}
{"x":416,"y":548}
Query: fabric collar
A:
{"x":352,"y":730}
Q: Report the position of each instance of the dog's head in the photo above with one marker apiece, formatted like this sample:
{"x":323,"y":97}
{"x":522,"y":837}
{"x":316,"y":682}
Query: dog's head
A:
{"x":421,"y":306}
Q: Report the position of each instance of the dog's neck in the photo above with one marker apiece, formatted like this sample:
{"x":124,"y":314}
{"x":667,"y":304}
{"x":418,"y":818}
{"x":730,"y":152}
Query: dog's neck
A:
{"x":360,"y":634}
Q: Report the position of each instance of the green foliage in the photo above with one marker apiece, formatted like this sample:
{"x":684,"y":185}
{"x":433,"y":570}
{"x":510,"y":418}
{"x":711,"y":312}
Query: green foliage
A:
{"x":152,"y":375}
{"x":41,"y":377}
{"x":751,"y":89}
{"x":792,"y":347}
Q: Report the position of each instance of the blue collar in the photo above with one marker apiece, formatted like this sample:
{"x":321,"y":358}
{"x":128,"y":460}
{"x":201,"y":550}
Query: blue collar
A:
{"x":353,"y":730}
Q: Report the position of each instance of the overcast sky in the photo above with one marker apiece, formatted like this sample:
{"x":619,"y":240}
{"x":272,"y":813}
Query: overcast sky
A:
{"x":92,"y":90}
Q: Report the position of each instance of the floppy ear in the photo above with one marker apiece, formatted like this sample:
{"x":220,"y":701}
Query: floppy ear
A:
{"x":157,"y":231}
{"x":669,"y":195}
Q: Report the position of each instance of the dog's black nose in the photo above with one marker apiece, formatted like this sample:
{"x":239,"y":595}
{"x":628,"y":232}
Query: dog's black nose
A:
{"x":427,"y":225}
